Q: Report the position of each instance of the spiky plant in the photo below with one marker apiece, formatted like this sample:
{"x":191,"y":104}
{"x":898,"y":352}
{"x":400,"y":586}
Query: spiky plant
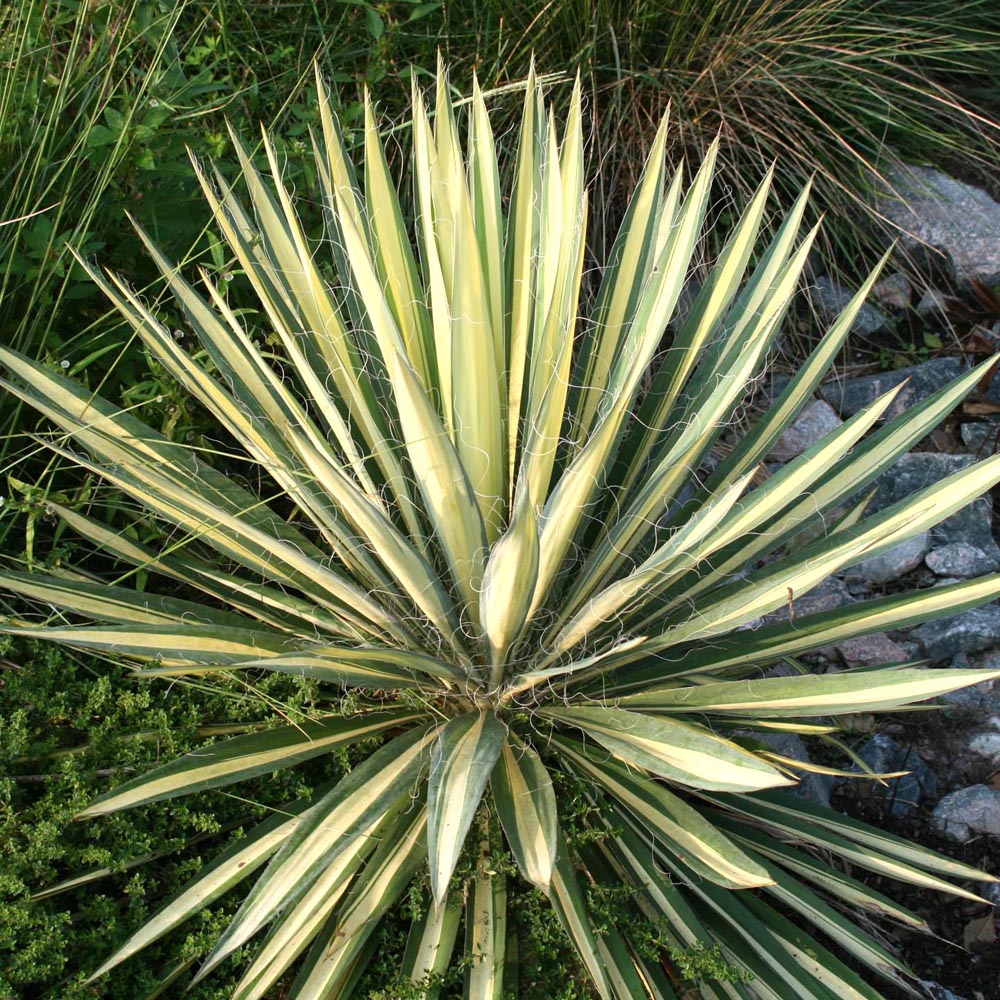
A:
{"x":481,"y":518}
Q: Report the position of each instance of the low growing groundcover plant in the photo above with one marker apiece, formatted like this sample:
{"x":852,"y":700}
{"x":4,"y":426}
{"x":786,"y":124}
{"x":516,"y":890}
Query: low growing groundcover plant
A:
{"x":485,"y":523}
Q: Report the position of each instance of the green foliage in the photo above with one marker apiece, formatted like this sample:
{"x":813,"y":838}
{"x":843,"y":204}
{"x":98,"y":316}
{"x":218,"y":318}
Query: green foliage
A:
{"x":495,"y":515}
{"x":70,"y":725}
{"x":87,"y":121}
{"x":698,"y":962}
{"x":101,"y":102}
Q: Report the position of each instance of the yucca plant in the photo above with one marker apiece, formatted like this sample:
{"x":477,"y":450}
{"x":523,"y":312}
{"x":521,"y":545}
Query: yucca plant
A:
{"x":486,"y":526}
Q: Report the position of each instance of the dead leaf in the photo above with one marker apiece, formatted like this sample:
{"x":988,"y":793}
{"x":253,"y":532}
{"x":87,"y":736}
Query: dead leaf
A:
{"x":984,"y":382}
{"x":980,"y":933}
{"x":976,"y":341}
{"x":989,"y":298}
{"x":980,"y":408}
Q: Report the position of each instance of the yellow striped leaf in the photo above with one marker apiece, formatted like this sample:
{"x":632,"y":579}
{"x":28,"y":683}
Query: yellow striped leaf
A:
{"x":526,"y":804}
{"x":462,"y":760}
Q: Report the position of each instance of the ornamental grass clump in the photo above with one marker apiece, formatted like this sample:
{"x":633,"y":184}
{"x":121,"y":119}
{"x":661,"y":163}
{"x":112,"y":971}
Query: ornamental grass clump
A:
{"x":485,"y":526}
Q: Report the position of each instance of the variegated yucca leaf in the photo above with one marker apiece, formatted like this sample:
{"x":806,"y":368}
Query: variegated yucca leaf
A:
{"x":488,"y":530}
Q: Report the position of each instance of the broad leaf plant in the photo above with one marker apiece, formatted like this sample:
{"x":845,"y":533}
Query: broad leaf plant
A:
{"x":503,"y":521}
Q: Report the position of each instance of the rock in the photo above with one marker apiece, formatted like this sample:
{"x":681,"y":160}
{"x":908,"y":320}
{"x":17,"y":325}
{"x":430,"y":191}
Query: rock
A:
{"x":987,"y":744}
{"x":902,"y":795}
{"x":970,"y":632}
{"x":831,"y":299}
{"x":972,"y":524}
{"x":866,"y":650}
{"x":829,"y":594}
{"x":976,"y":700}
{"x":894,"y":562}
{"x":983,"y":699}
{"x":968,"y":812}
{"x":983,"y":661}
{"x":924,"y":380}
{"x":933,"y":304}
{"x":960,"y":559}
{"x":982,"y":439}
{"x":959,"y":220}
{"x":894,"y":292}
{"x":935,"y":991}
{"x":990,"y":891}
{"x":814,"y":422}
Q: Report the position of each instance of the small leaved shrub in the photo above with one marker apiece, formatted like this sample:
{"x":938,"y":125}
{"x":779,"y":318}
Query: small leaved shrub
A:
{"x":70,"y":726}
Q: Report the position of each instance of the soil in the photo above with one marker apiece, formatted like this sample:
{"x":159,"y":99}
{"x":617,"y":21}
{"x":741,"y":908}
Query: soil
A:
{"x":941,"y":739}
{"x":941,"y":956}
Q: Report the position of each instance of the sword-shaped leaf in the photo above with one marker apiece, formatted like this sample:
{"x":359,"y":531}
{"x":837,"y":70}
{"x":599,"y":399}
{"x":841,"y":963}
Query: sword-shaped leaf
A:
{"x":379,"y":886}
{"x":175,"y":484}
{"x":298,"y":924}
{"x":484,"y":190}
{"x":872,"y":837}
{"x":526,"y":804}
{"x":264,"y":604}
{"x":448,"y":495}
{"x":486,"y":936}
{"x":741,"y":602}
{"x":106,"y":602}
{"x":670,"y":820}
{"x":799,"y":948}
{"x":622,"y":965}
{"x":829,"y":880}
{"x":632,"y":257}
{"x":245,"y":757}
{"x":477,"y":383}
{"x":778,"y":416}
{"x":559,"y":273}
{"x":702,"y":322}
{"x":776,"y":970}
{"x":393,"y":254}
{"x":631,"y":855}
{"x":580,"y":482}
{"x":679,"y":751}
{"x":769,"y":643}
{"x":685,"y":548}
{"x":521,"y":266}
{"x":392,"y":669}
{"x":336,"y":827}
{"x":851,"y":474}
{"x":430,"y":943}
{"x":462,"y":760}
{"x":178,"y":644}
{"x":569,"y":903}
{"x":799,"y":898}
{"x":847,"y":692}
{"x":509,"y":583}
{"x":858,"y":843}
{"x":690,"y":439}
{"x":274,"y":425}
